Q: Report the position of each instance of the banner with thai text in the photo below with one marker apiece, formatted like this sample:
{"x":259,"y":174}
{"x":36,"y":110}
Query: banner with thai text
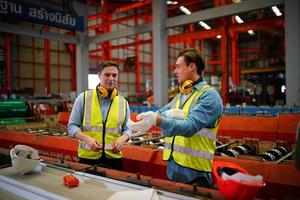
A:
{"x":47,"y":16}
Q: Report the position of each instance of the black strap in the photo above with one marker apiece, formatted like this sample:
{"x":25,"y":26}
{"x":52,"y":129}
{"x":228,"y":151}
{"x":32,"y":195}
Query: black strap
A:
{"x":193,"y":83}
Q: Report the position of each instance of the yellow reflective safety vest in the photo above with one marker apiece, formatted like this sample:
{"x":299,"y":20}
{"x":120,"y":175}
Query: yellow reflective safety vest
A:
{"x":194,"y":152}
{"x":105,"y":132}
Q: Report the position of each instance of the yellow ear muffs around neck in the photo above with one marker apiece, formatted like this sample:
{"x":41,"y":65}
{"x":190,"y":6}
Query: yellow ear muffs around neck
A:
{"x":106,"y":93}
{"x":186,"y":87}
{"x":113,"y":93}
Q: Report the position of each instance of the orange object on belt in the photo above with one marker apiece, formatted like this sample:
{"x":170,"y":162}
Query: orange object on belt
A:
{"x":70,"y":180}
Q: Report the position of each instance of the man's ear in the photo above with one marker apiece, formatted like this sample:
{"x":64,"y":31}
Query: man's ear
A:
{"x":193,"y":67}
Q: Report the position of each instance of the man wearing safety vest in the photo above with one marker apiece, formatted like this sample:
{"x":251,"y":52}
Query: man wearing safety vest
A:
{"x":189,"y":123}
{"x":99,"y":121}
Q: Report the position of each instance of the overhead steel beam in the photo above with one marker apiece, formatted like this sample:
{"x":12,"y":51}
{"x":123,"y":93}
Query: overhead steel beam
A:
{"x":9,"y":28}
{"x":221,"y":11}
{"x":120,"y":33}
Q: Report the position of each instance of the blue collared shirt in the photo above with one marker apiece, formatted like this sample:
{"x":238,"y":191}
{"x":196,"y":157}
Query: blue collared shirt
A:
{"x":75,"y":120}
{"x":204,"y":114}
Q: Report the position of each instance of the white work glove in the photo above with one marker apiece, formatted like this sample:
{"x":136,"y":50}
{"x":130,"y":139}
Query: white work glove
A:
{"x":174,"y":113}
{"x":147,"y":120}
{"x":135,"y":126}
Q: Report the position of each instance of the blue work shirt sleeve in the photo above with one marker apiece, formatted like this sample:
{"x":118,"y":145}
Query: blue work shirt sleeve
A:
{"x":76,"y":116}
{"x":125,"y":128}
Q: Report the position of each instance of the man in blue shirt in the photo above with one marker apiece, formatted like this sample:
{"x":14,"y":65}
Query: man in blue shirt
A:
{"x":99,"y":121}
{"x":189,"y":123}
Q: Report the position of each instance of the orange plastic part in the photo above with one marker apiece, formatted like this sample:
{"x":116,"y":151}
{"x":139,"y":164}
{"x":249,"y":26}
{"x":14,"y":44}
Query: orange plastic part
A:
{"x":70,"y":181}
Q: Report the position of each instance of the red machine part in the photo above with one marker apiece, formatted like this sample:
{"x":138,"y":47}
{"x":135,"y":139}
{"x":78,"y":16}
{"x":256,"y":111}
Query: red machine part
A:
{"x":282,"y":127}
{"x":64,"y":117}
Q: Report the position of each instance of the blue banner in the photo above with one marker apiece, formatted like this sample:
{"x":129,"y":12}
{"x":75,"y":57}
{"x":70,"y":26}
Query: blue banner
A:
{"x":40,"y":15}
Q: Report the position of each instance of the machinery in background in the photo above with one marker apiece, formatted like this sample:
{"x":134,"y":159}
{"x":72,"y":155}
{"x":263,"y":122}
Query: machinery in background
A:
{"x":32,"y":113}
{"x":256,"y":150}
{"x":15,"y":111}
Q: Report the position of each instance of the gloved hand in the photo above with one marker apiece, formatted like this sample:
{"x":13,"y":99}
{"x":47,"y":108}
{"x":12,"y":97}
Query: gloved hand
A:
{"x":174,"y":113}
{"x":136,"y":126}
{"x":147,"y":120}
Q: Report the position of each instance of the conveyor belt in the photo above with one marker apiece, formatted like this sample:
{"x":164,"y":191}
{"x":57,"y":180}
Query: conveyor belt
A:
{"x":48,"y":184}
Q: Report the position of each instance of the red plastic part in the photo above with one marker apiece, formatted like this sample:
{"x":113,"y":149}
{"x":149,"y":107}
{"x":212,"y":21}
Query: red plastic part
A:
{"x":70,"y":181}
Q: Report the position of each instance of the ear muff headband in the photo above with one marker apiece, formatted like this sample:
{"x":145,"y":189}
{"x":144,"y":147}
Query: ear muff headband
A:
{"x":187,"y":86}
{"x":105,"y":93}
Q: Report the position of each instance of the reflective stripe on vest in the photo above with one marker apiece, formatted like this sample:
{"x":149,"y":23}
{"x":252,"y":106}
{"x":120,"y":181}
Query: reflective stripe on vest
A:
{"x":174,"y":101}
{"x":93,"y":125}
{"x":100,"y":128}
{"x":83,"y":145}
{"x":88,"y":107}
{"x":206,"y":133}
{"x":190,"y":151}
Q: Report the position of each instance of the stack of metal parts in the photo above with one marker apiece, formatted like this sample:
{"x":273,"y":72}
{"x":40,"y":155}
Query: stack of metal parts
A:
{"x":148,"y":141}
{"x":47,"y":131}
{"x":278,"y":153}
{"x":244,"y":149}
{"x":274,"y":154}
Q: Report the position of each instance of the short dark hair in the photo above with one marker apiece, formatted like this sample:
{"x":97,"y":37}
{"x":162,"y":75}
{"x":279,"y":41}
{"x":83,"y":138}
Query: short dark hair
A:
{"x":107,"y":64}
{"x":192,"y":55}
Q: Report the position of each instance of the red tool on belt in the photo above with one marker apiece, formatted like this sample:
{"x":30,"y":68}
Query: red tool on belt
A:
{"x":70,"y":180}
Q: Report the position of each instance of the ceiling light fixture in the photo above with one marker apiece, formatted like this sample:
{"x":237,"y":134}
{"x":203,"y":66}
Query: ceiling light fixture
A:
{"x":238,"y":19}
{"x":204,"y":25}
{"x":219,"y":36}
{"x":276,"y":11}
{"x":185,"y":10}
{"x":172,"y":2}
{"x":251,"y":32}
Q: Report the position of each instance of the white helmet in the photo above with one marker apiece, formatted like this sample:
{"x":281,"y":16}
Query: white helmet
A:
{"x":24,"y":159}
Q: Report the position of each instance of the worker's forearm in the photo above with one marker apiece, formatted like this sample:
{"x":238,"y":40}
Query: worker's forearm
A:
{"x":81,"y":136}
{"x":125,"y":137}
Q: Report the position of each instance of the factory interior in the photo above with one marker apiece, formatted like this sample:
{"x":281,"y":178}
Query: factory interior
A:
{"x":50,"y":53}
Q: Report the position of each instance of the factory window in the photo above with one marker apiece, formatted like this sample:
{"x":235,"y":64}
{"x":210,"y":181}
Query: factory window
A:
{"x":93,"y":81}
